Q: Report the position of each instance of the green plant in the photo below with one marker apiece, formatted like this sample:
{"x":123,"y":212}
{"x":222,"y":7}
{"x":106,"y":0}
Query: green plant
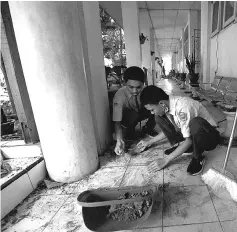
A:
{"x":113,"y":39}
{"x":190,"y":63}
{"x":183,"y":76}
{"x":142,"y":38}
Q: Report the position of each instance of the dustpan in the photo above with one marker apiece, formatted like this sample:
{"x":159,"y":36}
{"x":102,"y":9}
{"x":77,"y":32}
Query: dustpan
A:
{"x":96,"y":203}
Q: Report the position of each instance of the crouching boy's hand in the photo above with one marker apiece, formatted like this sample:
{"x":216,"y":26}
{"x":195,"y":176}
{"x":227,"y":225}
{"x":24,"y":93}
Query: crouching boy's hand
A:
{"x":119,"y":148}
{"x":142,"y":145}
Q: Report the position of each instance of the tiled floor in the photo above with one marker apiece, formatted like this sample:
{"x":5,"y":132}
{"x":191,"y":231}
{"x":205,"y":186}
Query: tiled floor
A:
{"x":185,"y":203}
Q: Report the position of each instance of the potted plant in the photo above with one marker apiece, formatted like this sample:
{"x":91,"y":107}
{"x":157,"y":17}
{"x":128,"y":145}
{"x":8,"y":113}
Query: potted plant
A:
{"x":172,"y":73}
{"x":177,"y":75}
{"x":193,"y":77}
{"x":182,"y":79}
{"x":142,"y":38}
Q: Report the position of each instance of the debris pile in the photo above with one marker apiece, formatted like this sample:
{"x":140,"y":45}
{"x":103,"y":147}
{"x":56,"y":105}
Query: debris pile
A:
{"x":129,"y":212}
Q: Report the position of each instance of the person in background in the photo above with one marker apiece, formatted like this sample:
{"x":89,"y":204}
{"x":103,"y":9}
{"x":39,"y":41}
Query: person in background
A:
{"x":185,"y":123}
{"x":127,"y":109}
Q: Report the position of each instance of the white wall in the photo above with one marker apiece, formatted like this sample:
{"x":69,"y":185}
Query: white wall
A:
{"x":226,"y":55}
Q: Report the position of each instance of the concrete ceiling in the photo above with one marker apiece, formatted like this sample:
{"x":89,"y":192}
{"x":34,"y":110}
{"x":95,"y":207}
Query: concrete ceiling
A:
{"x":168,"y":19}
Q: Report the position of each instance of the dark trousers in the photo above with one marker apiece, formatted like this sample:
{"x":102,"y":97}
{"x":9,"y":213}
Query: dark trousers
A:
{"x":204,"y":136}
{"x":131,"y":118}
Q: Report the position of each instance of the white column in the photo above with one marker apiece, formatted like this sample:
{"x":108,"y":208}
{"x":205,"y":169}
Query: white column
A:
{"x":193,"y":24}
{"x":50,"y":45}
{"x":95,"y":72}
{"x":152,"y":44}
{"x":157,"y":54}
{"x":182,"y":54}
{"x":145,"y":26}
{"x":205,"y":40}
{"x":130,"y":14}
{"x":174,"y":61}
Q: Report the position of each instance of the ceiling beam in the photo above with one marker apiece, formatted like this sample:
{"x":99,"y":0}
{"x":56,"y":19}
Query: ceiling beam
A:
{"x":169,"y":9}
{"x":168,"y":26}
{"x":168,"y":38}
{"x":166,"y":45}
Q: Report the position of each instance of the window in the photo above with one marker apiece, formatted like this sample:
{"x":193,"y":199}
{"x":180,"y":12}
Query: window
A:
{"x":223,"y":13}
{"x":215,"y":18}
{"x":186,"y":34}
{"x":186,"y":40}
{"x":186,"y":47}
{"x":229,"y":12}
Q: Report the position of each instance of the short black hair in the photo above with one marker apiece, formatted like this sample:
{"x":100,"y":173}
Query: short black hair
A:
{"x":152,"y":95}
{"x":134,"y":73}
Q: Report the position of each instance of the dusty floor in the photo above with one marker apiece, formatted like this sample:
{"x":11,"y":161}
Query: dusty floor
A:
{"x":187,"y":204}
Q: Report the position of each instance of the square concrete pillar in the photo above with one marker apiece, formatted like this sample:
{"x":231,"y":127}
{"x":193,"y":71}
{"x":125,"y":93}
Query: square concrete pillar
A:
{"x":15,"y":77}
{"x":145,"y":27}
{"x":95,"y":72}
{"x":130,"y":14}
{"x":205,"y":40}
{"x":193,"y":19}
{"x":152,"y":45}
{"x":182,"y":51}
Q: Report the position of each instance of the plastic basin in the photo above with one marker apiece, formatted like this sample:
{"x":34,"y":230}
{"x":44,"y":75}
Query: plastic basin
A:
{"x":95,"y":208}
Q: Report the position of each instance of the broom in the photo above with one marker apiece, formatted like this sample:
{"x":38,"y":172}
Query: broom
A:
{"x":222,"y":182}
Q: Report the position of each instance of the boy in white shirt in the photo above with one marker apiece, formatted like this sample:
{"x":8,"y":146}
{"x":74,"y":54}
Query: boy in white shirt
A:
{"x":185,"y":123}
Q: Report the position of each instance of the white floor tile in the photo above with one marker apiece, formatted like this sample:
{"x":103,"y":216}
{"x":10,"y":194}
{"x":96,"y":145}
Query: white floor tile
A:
{"x":187,"y":205}
{"x":229,"y":226}
{"x":147,"y":156}
{"x":226,"y":209}
{"x":105,"y":177}
{"x":68,"y":218}
{"x":139,"y":176}
{"x":205,"y":227}
{"x":112,"y":160}
{"x":33,"y":214}
{"x":177,"y":173}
